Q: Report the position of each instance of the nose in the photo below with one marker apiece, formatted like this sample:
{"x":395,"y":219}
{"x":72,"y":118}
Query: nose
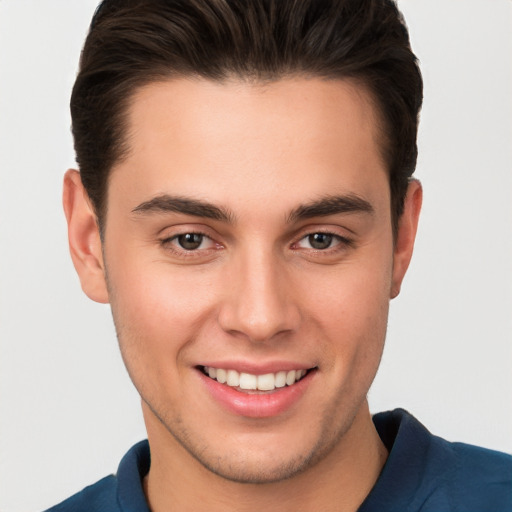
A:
{"x":260,"y":302}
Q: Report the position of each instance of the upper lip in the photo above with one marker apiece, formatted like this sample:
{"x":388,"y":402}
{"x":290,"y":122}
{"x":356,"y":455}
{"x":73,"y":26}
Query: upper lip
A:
{"x":258,"y":368}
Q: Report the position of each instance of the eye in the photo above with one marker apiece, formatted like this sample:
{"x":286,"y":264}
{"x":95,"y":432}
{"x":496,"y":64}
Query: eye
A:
{"x":190,"y":242}
{"x":319,"y":241}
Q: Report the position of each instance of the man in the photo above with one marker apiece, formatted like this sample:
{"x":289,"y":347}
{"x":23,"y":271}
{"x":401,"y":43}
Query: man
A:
{"x":245,"y":204}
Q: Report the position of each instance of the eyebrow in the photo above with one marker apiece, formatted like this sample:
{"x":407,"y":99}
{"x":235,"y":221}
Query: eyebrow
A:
{"x":331,"y":205}
{"x":186,"y":206}
{"x":323,"y":207}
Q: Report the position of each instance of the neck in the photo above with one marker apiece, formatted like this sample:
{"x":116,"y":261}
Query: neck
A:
{"x":339,"y":482}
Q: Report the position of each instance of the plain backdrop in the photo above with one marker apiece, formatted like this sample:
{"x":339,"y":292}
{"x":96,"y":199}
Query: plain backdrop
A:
{"x":68,"y":411}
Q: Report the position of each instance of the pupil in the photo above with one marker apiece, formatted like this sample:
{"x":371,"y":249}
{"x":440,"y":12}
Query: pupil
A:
{"x":320,"y":240}
{"x":190,"y":241}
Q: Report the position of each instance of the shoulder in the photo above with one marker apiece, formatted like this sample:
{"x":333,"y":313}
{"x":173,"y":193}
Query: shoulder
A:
{"x":96,"y":497}
{"x":115,"y":493}
{"x":429,"y":474}
{"x":481,"y":479}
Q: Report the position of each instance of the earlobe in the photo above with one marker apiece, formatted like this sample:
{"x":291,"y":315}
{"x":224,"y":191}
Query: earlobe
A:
{"x":406,"y":234}
{"x":84,"y":238}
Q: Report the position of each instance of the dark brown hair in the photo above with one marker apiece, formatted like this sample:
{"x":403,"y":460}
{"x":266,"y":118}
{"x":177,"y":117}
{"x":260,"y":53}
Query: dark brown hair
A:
{"x":134,"y":42}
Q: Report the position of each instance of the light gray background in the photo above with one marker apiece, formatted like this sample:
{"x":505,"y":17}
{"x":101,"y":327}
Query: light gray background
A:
{"x":68,"y":411}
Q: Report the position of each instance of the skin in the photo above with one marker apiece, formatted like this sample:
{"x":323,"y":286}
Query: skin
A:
{"x":256,"y":290}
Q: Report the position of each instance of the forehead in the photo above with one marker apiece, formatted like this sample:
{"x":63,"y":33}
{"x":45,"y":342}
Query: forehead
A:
{"x":260,"y":142}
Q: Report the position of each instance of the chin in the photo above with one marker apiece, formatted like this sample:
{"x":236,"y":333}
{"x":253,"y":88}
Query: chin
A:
{"x":258,"y":458}
{"x":253,"y":469}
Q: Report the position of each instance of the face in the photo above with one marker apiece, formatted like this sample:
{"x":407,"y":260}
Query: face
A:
{"x":250,"y":261}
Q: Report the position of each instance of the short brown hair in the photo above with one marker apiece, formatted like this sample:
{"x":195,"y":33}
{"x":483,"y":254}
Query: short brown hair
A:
{"x":132,"y":43}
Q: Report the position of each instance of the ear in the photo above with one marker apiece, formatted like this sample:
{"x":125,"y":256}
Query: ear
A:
{"x":84,"y":238}
{"x":407,"y":227}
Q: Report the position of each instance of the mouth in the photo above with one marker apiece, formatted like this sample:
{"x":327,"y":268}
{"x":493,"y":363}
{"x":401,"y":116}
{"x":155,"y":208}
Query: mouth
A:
{"x":262,"y":394}
{"x":251,"y":383}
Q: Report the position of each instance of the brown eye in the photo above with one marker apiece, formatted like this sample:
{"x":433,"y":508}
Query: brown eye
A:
{"x":190,"y":241}
{"x":320,"y":241}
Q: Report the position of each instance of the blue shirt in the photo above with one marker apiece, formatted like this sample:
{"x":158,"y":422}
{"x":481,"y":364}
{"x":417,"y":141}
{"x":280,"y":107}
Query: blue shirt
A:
{"x":423,"y":473}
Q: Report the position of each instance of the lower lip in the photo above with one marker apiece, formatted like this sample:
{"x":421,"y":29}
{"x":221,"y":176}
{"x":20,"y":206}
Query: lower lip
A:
{"x":257,"y":405}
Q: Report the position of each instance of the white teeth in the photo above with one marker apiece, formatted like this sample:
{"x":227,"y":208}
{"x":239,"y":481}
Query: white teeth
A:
{"x":280,"y":381}
{"x":222,"y":375}
{"x":233,"y":378}
{"x":290,"y":377}
{"x":266,"y":382}
{"x":248,"y":381}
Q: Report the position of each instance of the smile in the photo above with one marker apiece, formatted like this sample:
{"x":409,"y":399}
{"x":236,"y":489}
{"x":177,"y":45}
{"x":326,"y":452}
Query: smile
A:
{"x":248,"y":381}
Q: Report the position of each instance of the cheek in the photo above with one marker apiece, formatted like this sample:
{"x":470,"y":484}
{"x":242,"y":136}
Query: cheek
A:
{"x":354,"y":296}
{"x":352,"y":314}
{"x":157,"y":316}
{"x":158,"y":309}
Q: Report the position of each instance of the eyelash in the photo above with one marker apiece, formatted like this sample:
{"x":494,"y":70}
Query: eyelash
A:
{"x":343,"y":243}
{"x":167,"y":243}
